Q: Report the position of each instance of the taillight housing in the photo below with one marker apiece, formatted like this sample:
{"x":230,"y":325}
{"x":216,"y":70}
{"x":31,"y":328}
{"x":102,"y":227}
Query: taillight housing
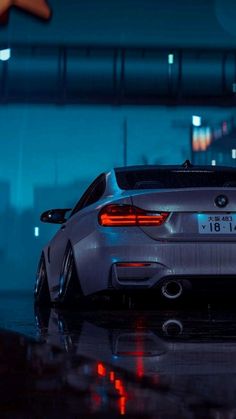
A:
{"x":115,"y":215}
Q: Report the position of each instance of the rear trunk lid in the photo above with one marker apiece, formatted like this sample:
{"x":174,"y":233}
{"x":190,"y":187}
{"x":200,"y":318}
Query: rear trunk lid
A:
{"x":194,"y":213}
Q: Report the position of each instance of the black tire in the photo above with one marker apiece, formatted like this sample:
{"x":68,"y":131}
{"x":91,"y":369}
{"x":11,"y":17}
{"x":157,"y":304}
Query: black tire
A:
{"x":70,"y":290}
{"x":41,"y":291}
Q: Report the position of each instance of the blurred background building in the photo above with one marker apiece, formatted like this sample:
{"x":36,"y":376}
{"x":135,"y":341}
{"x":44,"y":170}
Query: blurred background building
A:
{"x":213,"y":144}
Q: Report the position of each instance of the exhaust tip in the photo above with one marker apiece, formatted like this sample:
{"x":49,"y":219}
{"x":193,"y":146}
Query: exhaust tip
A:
{"x":172,"y":289}
{"x":172,"y":327}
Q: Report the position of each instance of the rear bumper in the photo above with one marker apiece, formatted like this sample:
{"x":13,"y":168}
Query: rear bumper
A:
{"x":98,"y":269}
{"x":178,"y":260}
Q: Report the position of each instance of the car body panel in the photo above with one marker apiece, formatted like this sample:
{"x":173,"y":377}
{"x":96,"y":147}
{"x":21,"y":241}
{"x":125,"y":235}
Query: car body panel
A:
{"x":185,"y":207}
{"x":173,"y":249}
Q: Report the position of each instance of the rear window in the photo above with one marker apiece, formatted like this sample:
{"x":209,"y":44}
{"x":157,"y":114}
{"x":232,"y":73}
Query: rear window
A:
{"x":174,"y":179}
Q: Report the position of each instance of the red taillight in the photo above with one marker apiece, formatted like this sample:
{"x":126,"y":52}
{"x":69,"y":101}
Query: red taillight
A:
{"x":114,"y":215}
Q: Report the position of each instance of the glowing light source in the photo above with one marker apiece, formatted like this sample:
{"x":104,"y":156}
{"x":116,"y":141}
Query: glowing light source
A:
{"x":112,"y":376}
{"x":233,"y":153}
{"x":196,"y":120}
{"x":122,"y":403}
{"x":132,"y":264}
{"x":101,"y":370}
{"x":119,"y":387}
{"x":224,"y":128}
{"x":171,"y":58}
{"x":36,"y":231}
{"x":201,"y":138}
{"x":115,"y":215}
{"x":213,"y":162}
{"x":5,"y":54}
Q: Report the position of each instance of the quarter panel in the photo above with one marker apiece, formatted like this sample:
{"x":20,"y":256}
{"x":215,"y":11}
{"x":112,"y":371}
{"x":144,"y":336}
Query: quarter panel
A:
{"x":96,"y":254}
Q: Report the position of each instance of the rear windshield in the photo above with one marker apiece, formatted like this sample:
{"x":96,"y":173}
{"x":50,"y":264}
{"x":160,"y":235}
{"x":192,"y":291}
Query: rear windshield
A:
{"x":174,"y":179}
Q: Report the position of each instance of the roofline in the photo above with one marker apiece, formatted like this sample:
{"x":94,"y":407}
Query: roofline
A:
{"x":176,"y":167}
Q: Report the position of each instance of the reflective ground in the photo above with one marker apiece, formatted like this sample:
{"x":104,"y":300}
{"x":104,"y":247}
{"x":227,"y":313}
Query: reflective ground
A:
{"x":172,"y":363}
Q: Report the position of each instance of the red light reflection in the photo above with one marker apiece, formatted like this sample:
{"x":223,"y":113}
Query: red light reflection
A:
{"x":101,"y":370}
{"x":118,"y":384}
{"x":122,"y":405}
{"x":112,"y":376}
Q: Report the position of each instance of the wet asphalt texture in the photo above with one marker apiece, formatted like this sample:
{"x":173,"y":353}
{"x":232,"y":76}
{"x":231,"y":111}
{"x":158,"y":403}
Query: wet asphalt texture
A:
{"x":175,"y":362}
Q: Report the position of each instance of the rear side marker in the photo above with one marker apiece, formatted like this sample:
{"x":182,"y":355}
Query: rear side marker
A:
{"x":115,"y":215}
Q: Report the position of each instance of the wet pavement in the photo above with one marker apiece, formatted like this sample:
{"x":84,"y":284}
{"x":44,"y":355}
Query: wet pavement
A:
{"x":172,"y":363}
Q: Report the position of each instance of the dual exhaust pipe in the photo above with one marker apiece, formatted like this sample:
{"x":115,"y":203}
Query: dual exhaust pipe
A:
{"x":172,"y":289}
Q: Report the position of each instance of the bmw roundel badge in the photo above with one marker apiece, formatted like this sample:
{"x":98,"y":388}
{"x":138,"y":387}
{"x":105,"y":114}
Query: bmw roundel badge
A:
{"x":221,"y":201}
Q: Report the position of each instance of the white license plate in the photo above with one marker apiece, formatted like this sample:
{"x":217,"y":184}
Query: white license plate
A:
{"x":217,"y":223}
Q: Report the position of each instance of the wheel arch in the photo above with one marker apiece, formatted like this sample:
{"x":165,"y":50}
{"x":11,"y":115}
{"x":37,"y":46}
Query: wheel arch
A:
{"x":41,"y":289}
{"x":75,"y":281}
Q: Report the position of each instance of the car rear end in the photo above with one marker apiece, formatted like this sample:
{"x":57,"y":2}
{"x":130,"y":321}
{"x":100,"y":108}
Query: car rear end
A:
{"x":186,"y":219}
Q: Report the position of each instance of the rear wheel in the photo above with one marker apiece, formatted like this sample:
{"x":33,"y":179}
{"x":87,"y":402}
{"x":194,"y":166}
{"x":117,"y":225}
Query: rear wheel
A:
{"x":41,"y":291}
{"x":70,"y":290}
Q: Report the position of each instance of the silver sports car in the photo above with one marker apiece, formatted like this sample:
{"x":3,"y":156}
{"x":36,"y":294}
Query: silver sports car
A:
{"x":143,"y":228}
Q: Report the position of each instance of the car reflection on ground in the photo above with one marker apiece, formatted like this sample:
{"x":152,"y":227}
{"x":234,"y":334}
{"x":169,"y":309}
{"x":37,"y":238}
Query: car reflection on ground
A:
{"x":160,"y":364}
{"x":136,"y":364}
